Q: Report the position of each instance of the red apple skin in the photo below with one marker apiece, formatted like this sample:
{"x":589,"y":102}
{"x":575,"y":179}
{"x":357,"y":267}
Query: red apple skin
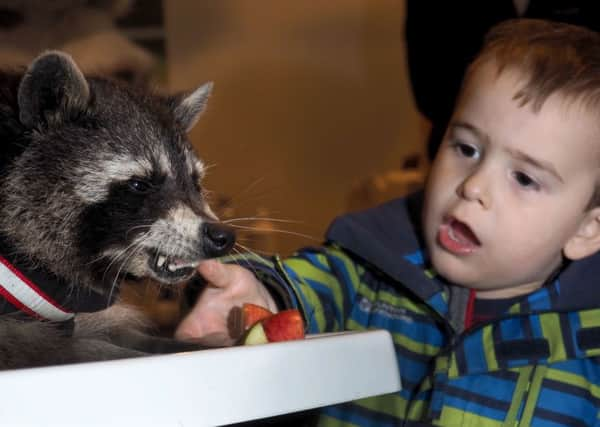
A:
{"x":284,"y":326}
{"x":252,"y":313}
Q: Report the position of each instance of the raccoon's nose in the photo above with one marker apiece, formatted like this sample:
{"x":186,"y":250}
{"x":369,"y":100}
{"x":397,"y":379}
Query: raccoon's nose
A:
{"x":216,"y":239}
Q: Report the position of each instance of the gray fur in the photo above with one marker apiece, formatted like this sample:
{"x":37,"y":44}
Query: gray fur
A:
{"x":67,"y":87}
{"x":103,"y":183}
{"x":189,"y":109}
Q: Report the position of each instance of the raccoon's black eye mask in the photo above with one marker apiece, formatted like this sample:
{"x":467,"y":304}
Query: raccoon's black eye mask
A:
{"x":140,"y":185}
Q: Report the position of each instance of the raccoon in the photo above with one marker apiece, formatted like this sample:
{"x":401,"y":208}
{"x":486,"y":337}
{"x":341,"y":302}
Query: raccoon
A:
{"x":98,"y":183}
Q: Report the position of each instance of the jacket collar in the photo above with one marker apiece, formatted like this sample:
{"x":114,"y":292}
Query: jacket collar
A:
{"x":387,"y":237}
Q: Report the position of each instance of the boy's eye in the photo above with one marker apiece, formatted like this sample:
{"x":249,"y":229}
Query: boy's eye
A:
{"x":466,"y":150}
{"x":525,"y":180}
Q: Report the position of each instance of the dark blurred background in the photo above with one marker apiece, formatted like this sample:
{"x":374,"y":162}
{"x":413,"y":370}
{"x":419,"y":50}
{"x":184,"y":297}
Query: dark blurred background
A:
{"x":311,"y":101}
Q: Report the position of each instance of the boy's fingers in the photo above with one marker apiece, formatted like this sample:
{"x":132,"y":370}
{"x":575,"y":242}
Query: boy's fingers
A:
{"x":214,"y":273}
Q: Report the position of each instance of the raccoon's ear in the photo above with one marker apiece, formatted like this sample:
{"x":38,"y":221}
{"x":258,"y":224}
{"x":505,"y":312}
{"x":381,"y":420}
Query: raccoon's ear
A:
{"x":52,"y":89}
{"x":187,"y":109}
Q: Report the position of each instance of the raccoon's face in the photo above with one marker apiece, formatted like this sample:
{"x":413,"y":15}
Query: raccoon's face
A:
{"x":145,"y":210}
{"x":108,"y":184}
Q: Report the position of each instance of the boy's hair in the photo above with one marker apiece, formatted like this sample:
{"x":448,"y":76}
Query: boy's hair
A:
{"x":554,"y":57}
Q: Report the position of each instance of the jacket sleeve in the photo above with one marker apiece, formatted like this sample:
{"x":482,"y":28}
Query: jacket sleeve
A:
{"x":320,"y":282}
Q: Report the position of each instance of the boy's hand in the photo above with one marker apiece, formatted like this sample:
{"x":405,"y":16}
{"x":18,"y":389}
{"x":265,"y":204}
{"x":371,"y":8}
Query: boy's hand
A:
{"x":228,"y":287}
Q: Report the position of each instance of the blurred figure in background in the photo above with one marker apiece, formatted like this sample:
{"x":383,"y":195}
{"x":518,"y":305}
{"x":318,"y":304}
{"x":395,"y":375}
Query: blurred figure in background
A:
{"x":443,"y":37}
{"x":86,"y":29}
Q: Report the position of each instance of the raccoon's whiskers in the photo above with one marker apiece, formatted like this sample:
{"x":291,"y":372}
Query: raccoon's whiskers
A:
{"x":258,"y":218}
{"x":243,"y":192}
{"x":123,"y":253}
{"x":250,"y":186}
{"x":241,"y":254}
{"x":135,"y":248}
{"x":115,"y":257}
{"x":132,"y":246}
{"x":95,"y":260}
{"x":275,"y":230}
{"x":136,"y":227}
{"x":246,"y":249}
{"x":102,"y":256}
{"x":208,"y":166}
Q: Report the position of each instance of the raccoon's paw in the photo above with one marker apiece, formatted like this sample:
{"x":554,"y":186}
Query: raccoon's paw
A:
{"x":91,"y":350}
{"x":106,"y":323}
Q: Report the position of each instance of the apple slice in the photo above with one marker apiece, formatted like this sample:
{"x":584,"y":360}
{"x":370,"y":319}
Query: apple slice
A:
{"x":284,"y":326}
{"x":252,"y":313}
{"x":255,"y":335}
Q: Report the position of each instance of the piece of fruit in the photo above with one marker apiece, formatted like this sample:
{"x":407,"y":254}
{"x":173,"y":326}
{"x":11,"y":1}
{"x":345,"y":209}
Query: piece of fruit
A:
{"x":252,"y":313}
{"x":284,"y":326}
{"x":255,"y":335}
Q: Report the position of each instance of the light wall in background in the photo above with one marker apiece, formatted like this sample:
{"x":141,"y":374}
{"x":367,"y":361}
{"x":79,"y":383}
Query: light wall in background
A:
{"x":309,"y":98}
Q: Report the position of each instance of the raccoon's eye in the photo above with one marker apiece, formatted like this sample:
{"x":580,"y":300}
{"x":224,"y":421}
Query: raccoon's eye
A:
{"x":139,"y":185}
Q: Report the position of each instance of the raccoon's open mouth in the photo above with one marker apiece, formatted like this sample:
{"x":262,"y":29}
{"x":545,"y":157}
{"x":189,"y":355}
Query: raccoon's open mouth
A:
{"x":171,"y":269}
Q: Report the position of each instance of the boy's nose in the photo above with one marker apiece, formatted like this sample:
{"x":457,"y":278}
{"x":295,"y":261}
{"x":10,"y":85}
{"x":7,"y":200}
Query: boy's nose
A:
{"x":475,"y":188}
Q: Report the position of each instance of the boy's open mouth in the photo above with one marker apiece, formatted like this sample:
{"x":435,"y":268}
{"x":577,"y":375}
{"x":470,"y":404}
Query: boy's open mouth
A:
{"x":457,"y":237}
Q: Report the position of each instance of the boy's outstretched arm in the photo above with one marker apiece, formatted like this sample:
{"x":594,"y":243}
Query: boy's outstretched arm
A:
{"x":228,"y":286}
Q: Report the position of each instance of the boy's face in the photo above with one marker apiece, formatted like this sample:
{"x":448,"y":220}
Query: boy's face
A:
{"x":509,"y":188}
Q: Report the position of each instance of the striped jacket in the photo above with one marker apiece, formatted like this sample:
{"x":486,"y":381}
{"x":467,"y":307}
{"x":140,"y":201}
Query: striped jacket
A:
{"x":537,"y":365}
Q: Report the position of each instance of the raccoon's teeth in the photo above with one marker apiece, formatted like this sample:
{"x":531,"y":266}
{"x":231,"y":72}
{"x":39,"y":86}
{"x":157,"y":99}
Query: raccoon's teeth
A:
{"x":161,"y":261}
{"x":179,"y":264}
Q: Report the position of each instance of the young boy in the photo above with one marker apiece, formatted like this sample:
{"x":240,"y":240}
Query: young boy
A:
{"x":488,"y":283}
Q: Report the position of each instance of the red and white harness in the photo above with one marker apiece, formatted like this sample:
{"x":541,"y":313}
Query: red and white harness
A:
{"x":26,"y":296}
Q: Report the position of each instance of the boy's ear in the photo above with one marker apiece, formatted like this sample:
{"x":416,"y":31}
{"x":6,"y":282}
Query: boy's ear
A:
{"x":586,"y":240}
